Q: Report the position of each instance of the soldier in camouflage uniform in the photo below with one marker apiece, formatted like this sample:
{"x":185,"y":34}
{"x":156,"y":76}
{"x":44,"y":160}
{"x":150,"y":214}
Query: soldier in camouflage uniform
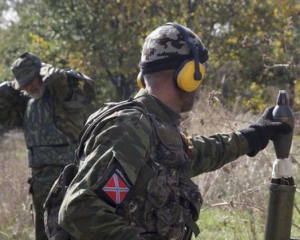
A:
{"x":51,"y":106}
{"x":134,"y":180}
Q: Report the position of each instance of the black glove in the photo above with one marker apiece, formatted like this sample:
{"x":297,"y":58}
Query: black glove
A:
{"x":265,"y":128}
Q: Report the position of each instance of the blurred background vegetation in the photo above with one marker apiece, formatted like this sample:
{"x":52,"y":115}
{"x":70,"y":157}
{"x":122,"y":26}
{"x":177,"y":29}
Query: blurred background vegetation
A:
{"x":235,"y":197}
{"x":254,"y":51}
{"x":254,"y":45}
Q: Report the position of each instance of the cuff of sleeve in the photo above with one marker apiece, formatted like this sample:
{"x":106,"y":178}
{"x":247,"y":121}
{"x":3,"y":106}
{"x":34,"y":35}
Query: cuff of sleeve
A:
{"x":253,"y":139}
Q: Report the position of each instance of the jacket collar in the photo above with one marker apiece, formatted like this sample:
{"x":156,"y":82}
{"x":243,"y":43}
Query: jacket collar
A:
{"x":157,"y":107}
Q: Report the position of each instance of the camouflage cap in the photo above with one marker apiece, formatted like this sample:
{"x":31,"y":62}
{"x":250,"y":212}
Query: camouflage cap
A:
{"x":166,"y":48}
{"x":25,"y":68}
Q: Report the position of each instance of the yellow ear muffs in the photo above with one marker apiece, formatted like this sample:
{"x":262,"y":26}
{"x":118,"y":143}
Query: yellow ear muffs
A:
{"x":184,"y":77}
{"x":140,"y":81}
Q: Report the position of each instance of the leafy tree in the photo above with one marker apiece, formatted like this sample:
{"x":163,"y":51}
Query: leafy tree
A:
{"x":103,"y":39}
{"x":238,"y":36}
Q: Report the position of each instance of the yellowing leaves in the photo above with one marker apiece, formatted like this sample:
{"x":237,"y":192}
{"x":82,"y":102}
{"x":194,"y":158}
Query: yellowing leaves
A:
{"x":232,"y":40}
{"x":297,"y":93}
{"x":256,"y":101}
{"x":37,"y":40}
{"x":297,"y":6}
{"x":275,"y":11}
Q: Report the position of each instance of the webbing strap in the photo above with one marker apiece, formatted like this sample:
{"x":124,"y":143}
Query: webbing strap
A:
{"x":145,"y":174}
{"x":88,"y":128}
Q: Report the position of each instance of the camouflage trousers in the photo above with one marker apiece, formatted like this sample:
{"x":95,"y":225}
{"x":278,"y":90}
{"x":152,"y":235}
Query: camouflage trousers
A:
{"x":41,"y":181}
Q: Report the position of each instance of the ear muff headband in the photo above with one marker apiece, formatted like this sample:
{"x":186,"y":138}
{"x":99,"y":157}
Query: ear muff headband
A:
{"x":187,"y":38}
{"x":191,"y":72}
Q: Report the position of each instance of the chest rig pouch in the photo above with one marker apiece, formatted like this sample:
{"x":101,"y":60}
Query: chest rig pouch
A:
{"x":169,"y":203}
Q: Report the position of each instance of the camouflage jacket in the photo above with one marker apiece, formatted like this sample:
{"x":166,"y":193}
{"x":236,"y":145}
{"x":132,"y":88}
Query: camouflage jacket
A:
{"x":52,"y":123}
{"x":104,"y":202}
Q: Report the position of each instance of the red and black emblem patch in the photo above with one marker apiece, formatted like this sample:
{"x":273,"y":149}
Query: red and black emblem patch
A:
{"x":115,"y":188}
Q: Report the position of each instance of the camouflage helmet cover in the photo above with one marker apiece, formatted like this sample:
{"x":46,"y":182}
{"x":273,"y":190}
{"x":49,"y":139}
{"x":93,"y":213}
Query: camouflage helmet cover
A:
{"x":25,"y":68}
{"x":166,"y":48}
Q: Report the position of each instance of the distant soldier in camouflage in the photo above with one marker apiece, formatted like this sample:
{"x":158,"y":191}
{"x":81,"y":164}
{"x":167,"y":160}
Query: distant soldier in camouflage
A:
{"x":134,"y":180}
{"x":50,"y":105}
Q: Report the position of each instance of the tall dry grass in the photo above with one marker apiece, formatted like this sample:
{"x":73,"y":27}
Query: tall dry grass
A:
{"x":243,"y":175}
{"x":243,"y":185}
{"x":15,"y":211}
{"x":238,"y":187}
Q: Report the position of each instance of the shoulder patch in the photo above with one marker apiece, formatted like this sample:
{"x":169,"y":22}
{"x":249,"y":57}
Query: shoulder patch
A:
{"x":116,"y":186}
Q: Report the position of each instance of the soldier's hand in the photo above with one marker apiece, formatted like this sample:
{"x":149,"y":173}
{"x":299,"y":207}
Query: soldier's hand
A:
{"x":265,"y":128}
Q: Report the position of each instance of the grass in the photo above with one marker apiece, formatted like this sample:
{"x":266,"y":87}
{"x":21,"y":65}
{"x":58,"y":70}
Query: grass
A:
{"x":231,"y":224}
{"x":235,"y":196}
{"x":296,"y":215}
{"x":238,"y":222}
{"x":15,"y":211}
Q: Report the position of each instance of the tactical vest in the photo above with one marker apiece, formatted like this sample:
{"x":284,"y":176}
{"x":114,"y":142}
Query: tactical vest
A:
{"x":163,"y":204}
{"x":169,"y":203}
{"x":46,"y":144}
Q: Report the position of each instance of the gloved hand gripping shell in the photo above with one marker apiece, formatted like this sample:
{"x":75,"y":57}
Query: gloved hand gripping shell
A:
{"x":265,"y":128}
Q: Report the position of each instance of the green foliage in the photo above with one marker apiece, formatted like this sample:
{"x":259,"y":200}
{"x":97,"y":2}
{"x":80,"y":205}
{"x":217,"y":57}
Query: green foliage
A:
{"x":297,"y":93}
{"x":257,"y":98}
{"x":249,"y":41}
{"x":254,"y":51}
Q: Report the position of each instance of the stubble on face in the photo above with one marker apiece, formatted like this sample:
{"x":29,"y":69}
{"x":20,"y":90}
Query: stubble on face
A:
{"x":187,"y":101}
